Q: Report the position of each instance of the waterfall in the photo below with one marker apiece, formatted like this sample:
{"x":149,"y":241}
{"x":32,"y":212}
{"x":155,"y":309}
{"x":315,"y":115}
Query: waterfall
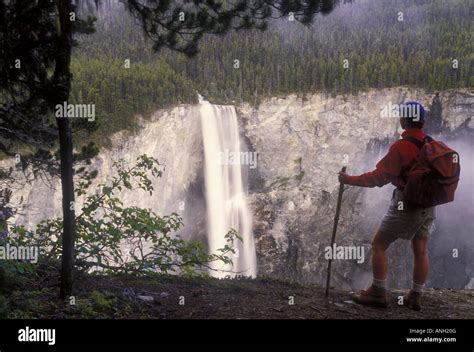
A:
{"x":227,"y":206}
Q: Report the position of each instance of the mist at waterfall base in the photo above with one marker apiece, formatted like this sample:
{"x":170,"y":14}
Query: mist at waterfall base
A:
{"x":451,"y":243}
{"x":226,"y":201}
{"x":453,"y":236}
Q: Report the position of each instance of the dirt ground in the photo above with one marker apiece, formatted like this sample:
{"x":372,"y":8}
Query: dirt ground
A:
{"x":170,"y":297}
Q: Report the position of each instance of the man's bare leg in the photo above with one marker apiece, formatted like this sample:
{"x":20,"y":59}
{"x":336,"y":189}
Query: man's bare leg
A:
{"x":421,"y":266}
{"x":380,"y":244}
{"x":421,"y":263}
{"x":375,"y":295}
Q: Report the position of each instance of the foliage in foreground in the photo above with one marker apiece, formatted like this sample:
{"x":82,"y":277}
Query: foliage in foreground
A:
{"x":113,"y":238}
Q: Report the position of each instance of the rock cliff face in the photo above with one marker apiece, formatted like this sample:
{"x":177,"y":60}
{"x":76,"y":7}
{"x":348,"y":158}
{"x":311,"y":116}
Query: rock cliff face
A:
{"x":301,"y":142}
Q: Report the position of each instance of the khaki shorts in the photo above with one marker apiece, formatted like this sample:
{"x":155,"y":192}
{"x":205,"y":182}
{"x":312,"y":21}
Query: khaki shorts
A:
{"x":406,"y":221}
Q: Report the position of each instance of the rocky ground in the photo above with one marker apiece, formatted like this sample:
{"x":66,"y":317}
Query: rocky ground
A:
{"x":171,"y":297}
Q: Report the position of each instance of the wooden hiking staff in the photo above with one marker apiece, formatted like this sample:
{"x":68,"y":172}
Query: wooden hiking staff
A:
{"x":334,"y":230}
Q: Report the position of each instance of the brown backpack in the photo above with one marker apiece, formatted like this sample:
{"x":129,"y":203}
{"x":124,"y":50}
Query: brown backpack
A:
{"x":434,"y":175}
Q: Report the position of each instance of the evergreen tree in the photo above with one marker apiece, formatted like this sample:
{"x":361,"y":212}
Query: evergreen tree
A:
{"x":38,"y":36}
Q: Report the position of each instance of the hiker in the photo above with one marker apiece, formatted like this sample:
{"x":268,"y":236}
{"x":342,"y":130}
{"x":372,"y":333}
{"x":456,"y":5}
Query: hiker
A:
{"x":402,"y":220}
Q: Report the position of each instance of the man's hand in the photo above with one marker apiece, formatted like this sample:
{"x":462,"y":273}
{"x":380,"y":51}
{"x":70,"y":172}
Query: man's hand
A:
{"x":343,"y":178}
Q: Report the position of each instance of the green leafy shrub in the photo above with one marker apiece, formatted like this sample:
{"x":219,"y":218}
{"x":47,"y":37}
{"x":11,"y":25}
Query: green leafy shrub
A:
{"x":105,"y":228}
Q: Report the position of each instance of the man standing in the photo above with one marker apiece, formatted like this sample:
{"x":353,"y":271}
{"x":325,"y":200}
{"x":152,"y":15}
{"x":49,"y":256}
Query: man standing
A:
{"x":402,"y":220}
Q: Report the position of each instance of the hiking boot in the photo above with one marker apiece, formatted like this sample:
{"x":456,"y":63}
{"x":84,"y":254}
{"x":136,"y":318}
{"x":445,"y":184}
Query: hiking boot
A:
{"x":412,"y":300}
{"x":373,"y":296}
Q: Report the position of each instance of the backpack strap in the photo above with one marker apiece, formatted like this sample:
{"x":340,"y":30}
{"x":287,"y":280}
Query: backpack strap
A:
{"x":419,"y":144}
{"x":415,"y":141}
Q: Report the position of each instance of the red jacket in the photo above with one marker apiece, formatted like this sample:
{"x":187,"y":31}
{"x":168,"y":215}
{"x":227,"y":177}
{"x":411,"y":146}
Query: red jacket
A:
{"x":393,"y":166}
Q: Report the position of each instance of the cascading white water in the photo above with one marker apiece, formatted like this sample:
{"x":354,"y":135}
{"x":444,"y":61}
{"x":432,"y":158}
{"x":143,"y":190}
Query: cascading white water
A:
{"x":227,"y":206}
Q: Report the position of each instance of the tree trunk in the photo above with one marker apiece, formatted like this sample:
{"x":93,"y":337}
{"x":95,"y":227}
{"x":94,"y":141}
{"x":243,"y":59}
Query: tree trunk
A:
{"x":69,"y":217}
{"x":62,"y":88}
